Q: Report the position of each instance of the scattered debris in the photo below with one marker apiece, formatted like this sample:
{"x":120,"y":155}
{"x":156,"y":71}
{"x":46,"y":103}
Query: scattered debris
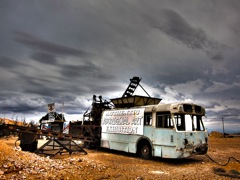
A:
{"x":23,"y":164}
{"x":158,"y":172}
{"x":222,"y":172}
{"x":105,"y":164}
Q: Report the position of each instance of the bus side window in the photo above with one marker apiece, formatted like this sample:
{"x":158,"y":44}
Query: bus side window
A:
{"x":164,"y":121}
{"x":148,"y":119}
{"x":160,"y":121}
{"x":168,"y":122}
{"x":180,"y":122}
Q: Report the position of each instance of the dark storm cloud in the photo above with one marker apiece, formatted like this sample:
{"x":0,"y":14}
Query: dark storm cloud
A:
{"x":36,"y":43}
{"x":19,"y":104}
{"x":177,"y":28}
{"x":80,"y":48}
{"x":21,"y":108}
{"x":231,"y":115}
{"x":75,"y":80}
{"x":45,"y":58}
{"x":230,"y":112}
{"x":7,"y":62}
{"x":87,"y":70}
{"x":222,"y":91}
{"x":6,"y":94}
{"x":45,"y":85}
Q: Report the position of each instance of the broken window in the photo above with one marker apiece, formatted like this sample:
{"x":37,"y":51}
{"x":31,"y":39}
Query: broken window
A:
{"x":164,"y":121}
{"x":148,"y":119}
{"x":187,"y":122}
{"x":180,"y":122}
{"x":198,"y":124}
{"x":187,"y":108}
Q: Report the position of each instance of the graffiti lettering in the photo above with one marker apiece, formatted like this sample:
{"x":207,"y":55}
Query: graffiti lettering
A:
{"x":137,"y":121}
{"x":129,"y":121}
{"x":121,"y":129}
{"x":116,"y":121}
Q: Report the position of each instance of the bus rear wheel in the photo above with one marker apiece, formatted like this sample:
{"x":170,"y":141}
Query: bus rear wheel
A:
{"x":145,"y":151}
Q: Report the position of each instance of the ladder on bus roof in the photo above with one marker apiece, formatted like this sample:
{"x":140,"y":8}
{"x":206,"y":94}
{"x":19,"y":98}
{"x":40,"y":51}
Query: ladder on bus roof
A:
{"x":134,"y":82}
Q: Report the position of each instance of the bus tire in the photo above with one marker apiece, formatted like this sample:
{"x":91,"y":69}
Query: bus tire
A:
{"x":145,"y":150}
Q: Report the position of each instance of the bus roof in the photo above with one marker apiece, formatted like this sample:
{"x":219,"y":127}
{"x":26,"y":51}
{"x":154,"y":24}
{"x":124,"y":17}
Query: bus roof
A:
{"x":178,"y":107}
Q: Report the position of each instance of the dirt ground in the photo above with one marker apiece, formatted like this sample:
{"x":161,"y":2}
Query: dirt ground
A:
{"x":106,"y":164}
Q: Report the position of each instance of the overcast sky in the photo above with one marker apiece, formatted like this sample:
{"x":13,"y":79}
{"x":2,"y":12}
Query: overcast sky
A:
{"x":56,"y":49}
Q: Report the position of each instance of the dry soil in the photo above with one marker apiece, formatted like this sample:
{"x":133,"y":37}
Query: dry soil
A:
{"x":106,"y":164}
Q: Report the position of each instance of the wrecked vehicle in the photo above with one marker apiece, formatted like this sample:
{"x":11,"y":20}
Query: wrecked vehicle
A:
{"x":140,"y":124}
{"x":131,"y":123}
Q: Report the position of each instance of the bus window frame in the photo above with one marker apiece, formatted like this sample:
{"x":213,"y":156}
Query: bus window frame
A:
{"x":180,"y":122}
{"x":166,"y":120}
{"x":198,"y":123}
{"x":146,"y":121}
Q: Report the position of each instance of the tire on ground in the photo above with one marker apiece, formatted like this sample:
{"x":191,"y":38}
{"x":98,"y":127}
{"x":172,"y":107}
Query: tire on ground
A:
{"x":145,"y":149}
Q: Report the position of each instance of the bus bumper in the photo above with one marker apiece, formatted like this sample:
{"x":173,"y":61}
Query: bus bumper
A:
{"x":201,"y":149}
{"x":190,"y":150}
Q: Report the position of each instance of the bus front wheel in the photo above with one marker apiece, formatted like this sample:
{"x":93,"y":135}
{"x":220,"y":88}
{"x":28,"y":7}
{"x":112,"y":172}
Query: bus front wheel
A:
{"x":145,"y":151}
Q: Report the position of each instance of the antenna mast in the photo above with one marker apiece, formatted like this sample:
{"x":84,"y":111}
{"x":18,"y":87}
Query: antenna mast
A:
{"x":62,"y":105}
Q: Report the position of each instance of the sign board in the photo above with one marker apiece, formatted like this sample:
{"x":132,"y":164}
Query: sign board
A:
{"x":128,"y":121}
{"x":46,"y":127}
{"x":47,"y":121}
{"x":66,"y":126}
{"x":51,"y":117}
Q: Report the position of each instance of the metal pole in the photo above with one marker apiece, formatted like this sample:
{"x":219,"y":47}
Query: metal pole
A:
{"x":223,"y":127}
{"x":144,"y":90}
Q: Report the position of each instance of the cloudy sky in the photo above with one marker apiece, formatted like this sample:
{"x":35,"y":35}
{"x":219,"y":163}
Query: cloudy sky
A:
{"x":183,"y":50}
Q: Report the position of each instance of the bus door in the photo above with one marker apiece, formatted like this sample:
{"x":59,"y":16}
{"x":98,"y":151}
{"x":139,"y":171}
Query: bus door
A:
{"x":163,"y":135}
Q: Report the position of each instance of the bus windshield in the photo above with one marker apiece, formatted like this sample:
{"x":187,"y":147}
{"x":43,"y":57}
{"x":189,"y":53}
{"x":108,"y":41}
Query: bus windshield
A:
{"x":187,"y":122}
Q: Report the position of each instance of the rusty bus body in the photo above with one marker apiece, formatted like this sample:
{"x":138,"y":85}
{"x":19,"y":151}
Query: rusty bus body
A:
{"x":164,"y":130}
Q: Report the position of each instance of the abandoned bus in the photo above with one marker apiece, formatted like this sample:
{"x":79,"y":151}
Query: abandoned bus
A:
{"x":161,"y":130}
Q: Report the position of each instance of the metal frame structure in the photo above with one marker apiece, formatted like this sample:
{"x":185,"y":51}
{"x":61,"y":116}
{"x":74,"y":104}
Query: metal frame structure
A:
{"x":58,"y":142}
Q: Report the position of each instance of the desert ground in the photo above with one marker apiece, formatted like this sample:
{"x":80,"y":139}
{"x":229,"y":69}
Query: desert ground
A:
{"x":107,"y":164}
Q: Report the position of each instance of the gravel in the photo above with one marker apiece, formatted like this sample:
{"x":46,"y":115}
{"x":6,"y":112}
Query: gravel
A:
{"x":106,"y":164}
